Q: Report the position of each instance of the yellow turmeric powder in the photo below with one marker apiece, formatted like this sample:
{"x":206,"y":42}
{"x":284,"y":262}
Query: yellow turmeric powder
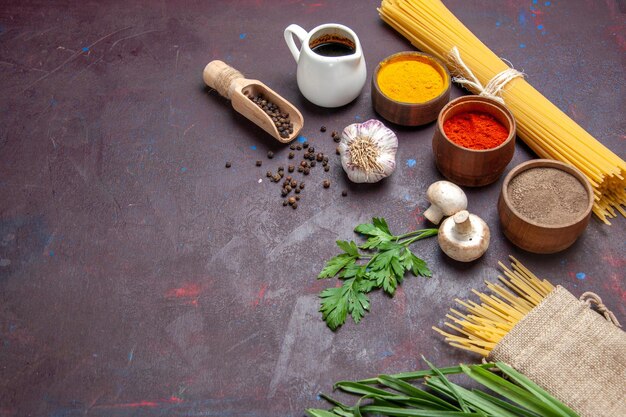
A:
{"x":410,"y":80}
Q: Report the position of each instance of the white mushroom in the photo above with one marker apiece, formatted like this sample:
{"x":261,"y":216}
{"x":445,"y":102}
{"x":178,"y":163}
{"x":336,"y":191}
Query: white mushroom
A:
{"x":446,"y":199}
{"x":464,"y":236}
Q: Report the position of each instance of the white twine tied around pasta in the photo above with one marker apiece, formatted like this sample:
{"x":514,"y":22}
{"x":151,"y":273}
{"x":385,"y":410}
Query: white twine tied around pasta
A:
{"x":467,"y":79}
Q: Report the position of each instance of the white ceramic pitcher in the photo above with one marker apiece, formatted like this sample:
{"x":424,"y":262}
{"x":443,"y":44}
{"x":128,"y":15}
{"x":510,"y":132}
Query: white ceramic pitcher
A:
{"x":328,"y":81}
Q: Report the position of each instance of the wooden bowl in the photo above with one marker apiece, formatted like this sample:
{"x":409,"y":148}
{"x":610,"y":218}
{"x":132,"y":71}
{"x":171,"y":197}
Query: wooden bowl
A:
{"x":535,"y":237}
{"x":472,"y":167}
{"x":410,"y":114}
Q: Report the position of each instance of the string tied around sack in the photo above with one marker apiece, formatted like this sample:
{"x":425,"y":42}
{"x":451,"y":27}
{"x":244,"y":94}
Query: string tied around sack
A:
{"x":464,"y":76}
{"x":591,"y":298}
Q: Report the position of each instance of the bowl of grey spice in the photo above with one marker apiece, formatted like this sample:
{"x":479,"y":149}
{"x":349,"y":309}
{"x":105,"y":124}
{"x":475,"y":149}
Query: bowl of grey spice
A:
{"x":544,"y":205}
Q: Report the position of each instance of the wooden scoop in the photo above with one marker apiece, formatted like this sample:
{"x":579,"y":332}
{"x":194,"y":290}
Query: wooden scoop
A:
{"x":231,"y":84}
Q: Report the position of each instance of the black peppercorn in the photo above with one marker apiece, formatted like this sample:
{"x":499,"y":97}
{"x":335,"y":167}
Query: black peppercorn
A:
{"x":305,"y":145}
{"x":270,"y":154}
{"x":228,"y":164}
{"x":299,"y":147}
{"x":291,"y":155}
{"x":294,"y":206}
{"x":313,"y":163}
{"x":290,"y":168}
{"x":259,"y":163}
{"x":306,"y":171}
{"x":323,"y":129}
{"x":326,"y":168}
{"x":326,"y":183}
{"x":344,"y":193}
{"x":292,"y":146}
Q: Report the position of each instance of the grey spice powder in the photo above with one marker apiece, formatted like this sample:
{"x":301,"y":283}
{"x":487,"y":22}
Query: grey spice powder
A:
{"x":548,"y":196}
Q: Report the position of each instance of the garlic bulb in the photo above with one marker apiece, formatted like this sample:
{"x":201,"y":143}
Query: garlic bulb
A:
{"x":368,"y":151}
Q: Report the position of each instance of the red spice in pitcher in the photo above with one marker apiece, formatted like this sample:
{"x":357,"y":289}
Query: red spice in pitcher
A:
{"x":475,"y":130}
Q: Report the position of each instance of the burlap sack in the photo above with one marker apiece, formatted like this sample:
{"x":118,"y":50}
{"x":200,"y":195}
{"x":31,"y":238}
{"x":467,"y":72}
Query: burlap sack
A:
{"x":572,"y":352}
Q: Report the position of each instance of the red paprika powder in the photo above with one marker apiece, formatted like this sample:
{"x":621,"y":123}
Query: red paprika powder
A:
{"x":475,"y":130}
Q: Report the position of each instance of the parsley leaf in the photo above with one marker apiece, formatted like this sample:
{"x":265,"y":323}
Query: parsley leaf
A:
{"x":337,"y":302}
{"x":380,"y":262}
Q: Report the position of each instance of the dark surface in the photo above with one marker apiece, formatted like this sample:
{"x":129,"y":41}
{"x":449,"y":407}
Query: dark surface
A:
{"x":139,"y":276}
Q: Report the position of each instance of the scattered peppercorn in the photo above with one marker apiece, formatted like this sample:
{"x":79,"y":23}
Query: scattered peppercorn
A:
{"x":297,"y":198}
{"x":337,"y":150}
{"x":285,"y":202}
{"x":306,"y":171}
{"x":270,"y":154}
{"x":293,"y":183}
{"x":313,"y":163}
{"x":291,"y":155}
{"x":290,"y":168}
{"x":323,"y":129}
{"x":301,"y":185}
{"x":269,"y":174}
{"x":305,"y":145}
{"x":297,"y":191}
{"x":294,"y":206}
{"x":299,"y":147}
{"x":259,"y":163}
{"x":291,"y":200}
{"x":300,"y":169}
{"x":292,"y":146}
{"x":326,"y":183}
{"x":344,"y":193}
{"x":326,"y":168}
{"x":228,"y":164}
{"x":311,"y":149}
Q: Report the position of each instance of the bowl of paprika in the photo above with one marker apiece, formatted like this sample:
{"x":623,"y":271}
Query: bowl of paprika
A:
{"x":410,"y":88}
{"x":474,"y":140}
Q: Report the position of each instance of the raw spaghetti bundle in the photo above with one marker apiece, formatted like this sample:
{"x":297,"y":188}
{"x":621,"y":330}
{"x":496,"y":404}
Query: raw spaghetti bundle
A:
{"x":550,"y":336}
{"x":549,"y":132}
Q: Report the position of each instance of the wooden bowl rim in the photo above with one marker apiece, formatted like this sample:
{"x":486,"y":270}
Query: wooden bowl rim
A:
{"x":429,"y":57}
{"x":467,"y":99}
{"x":549,"y":163}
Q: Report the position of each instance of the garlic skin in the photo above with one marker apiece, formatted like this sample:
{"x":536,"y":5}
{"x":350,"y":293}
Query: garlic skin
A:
{"x":368,"y":151}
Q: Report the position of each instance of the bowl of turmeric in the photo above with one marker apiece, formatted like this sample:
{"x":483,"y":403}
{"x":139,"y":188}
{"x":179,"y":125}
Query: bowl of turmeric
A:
{"x":474,"y":140}
{"x":410,"y":88}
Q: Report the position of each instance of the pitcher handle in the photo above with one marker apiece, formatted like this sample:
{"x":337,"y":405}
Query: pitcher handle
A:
{"x":300,"y":33}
